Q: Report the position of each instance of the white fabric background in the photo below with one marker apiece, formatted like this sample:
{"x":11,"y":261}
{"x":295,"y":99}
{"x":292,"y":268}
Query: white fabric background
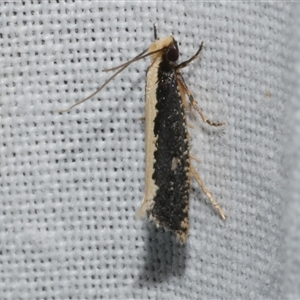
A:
{"x":71,"y":183}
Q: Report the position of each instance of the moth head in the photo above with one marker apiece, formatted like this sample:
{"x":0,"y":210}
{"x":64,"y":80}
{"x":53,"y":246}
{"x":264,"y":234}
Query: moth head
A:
{"x":172,"y":52}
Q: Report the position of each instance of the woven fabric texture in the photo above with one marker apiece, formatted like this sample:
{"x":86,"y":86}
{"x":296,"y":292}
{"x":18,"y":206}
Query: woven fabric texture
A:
{"x":71,"y":183}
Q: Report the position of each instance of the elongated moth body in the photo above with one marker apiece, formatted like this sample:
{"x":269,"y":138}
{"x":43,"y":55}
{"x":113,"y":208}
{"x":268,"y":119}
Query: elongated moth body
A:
{"x":168,"y":168}
{"x":167,"y":178}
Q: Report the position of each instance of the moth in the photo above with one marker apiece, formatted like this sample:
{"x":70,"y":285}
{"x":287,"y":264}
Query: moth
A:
{"x":168,"y":166}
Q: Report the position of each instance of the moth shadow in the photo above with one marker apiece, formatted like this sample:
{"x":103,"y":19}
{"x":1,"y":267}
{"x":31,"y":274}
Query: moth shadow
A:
{"x":165,"y":257}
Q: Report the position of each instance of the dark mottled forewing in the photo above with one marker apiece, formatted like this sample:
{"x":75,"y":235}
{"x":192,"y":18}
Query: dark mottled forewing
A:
{"x":171,"y":167}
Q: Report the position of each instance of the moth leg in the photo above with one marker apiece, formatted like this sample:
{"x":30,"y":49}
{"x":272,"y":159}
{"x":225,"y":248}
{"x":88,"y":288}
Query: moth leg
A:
{"x":203,"y":117}
{"x":207,"y":192}
{"x":193,"y":102}
{"x":194,"y":158}
{"x":181,"y":92}
{"x":185,"y":90}
{"x":187,"y":62}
